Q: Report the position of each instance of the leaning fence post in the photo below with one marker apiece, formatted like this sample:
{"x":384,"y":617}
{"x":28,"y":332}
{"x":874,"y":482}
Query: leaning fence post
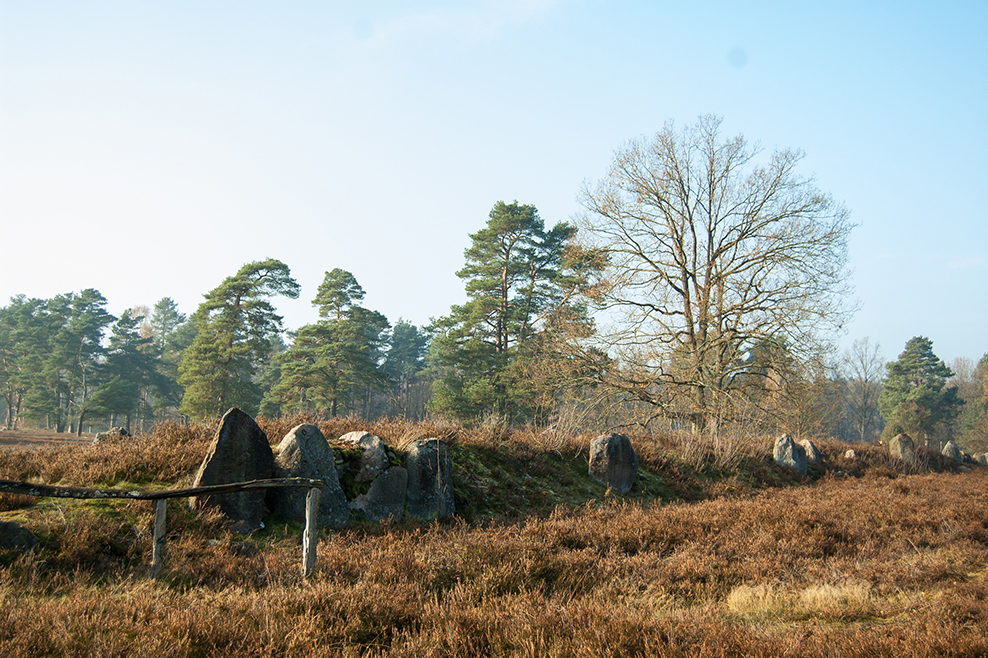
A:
{"x":311,"y":536}
{"x":158,"y":546}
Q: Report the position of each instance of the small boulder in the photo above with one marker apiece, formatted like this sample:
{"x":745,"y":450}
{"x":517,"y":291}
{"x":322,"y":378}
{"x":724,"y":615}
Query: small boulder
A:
{"x":902,"y":447}
{"x":15,"y":538}
{"x":239,"y":453}
{"x":614,"y":462}
{"x":951,"y":451}
{"x":850,"y":454}
{"x":385,"y":500}
{"x":981,"y":458}
{"x":430,"y":479}
{"x":812,"y":454}
{"x":374,"y":458}
{"x":305,"y":453}
{"x":790,"y":454}
{"x":111,"y":435}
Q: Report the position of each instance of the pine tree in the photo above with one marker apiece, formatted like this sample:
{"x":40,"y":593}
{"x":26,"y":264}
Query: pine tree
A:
{"x":235,"y":326}
{"x":331,"y":360}
{"x":24,"y":341}
{"x":518,"y":281}
{"x":73,"y":361}
{"x":130,"y":369}
{"x":914,"y":397}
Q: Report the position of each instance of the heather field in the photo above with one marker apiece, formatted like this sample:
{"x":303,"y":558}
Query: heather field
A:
{"x":718,"y":552}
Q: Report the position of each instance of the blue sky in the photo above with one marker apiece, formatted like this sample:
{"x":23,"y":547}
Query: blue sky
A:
{"x":150,"y":149}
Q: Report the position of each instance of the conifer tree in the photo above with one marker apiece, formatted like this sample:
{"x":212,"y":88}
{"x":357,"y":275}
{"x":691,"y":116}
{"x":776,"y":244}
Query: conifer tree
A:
{"x":72,"y":364}
{"x":914,"y":397}
{"x":518,"y":279}
{"x":235,"y":326}
{"x":342,"y":352}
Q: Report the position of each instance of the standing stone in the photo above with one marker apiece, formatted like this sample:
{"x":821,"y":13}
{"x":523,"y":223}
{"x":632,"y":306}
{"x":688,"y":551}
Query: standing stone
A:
{"x":902,"y":447}
{"x":305,"y":453}
{"x":374,"y":458}
{"x":111,"y":435}
{"x":812,"y":454}
{"x":951,"y":451}
{"x":614,"y":462}
{"x":430,"y":479}
{"x":385,"y":500}
{"x":239,"y":453}
{"x":15,"y":538}
{"x":790,"y":454}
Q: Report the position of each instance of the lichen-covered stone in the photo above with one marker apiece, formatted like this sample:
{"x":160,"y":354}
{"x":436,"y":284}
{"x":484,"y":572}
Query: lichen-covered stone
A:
{"x":614,"y":462}
{"x":430,"y":479}
{"x":951,"y":451}
{"x":305,"y":453}
{"x":239,"y":453}
{"x":812,"y":453}
{"x":111,"y":435}
{"x":385,"y":500}
{"x":373,"y":460}
{"x":790,"y":454}
{"x":901,"y":446}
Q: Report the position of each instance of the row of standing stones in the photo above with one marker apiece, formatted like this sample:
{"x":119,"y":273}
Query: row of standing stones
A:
{"x":365,"y":476}
{"x":381,"y":485}
{"x":798,"y":456}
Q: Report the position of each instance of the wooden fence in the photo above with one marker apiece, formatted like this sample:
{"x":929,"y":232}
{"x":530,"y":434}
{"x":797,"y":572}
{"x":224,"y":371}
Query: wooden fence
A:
{"x":309,"y":539}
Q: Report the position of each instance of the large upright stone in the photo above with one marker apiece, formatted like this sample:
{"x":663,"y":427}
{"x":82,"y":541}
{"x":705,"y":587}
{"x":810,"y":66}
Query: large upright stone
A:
{"x":951,"y":451}
{"x":239,"y":453}
{"x":902,"y":447}
{"x":385,"y":500}
{"x":430,"y":479}
{"x":790,"y":454}
{"x":614,"y":462}
{"x":812,"y":453}
{"x":305,"y":453}
{"x":374,"y":457}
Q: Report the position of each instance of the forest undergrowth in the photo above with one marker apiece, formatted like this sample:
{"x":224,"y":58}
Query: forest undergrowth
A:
{"x":864,"y":557}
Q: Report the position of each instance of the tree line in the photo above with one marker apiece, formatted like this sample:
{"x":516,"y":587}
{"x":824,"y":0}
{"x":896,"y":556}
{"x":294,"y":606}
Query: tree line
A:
{"x":699,"y":290}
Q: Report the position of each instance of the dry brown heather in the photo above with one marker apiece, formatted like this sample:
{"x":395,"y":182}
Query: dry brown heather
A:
{"x":761,"y":563}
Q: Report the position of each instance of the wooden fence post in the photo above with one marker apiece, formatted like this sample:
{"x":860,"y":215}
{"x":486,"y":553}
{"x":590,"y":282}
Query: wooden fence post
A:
{"x":158,"y":546}
{"x":160,"y":497}
{"x":311,"y":537}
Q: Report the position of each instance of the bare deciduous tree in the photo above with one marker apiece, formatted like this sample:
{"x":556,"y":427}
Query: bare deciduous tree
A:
{"x":864,"y":368}
{"x":712,"y":256}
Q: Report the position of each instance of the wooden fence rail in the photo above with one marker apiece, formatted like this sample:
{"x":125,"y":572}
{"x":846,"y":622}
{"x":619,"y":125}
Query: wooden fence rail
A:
{"x":309,"y":539}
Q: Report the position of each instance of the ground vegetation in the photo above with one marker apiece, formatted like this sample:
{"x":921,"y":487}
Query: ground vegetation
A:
{"x":862,"y":557}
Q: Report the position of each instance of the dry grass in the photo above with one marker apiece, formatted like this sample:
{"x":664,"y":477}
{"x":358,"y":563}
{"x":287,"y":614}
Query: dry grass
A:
{"x":884,"y":563}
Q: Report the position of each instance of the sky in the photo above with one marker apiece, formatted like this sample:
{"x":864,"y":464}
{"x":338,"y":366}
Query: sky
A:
{"x":150,"y":149}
